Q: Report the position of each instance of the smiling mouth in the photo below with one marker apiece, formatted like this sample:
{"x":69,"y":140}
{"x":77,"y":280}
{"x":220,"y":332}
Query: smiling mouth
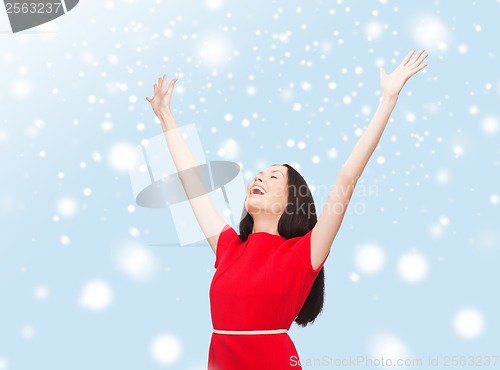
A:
{"x":256,"y":190}
{"x":256,"y":194}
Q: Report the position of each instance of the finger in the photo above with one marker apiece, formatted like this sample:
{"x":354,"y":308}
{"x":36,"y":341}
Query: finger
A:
{"x":418,"y":69}
{"x":416,"y":58}
{"x":420,"y":61}
{"x":156,"y":88}
{"x":163,"y":81}
{"x":422,"y":67}
{"x":148,"y":99}
{"x":171,"y":86}
{"x":405,"y":61}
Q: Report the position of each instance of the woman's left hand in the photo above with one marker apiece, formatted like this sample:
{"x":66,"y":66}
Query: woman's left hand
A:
{"x":392,"y":84}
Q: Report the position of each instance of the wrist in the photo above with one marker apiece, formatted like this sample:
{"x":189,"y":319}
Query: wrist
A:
{"x":165,"y":116}
{"x":389,"y":98}
{"x":164,"y":113}
{"x":167,"y":120}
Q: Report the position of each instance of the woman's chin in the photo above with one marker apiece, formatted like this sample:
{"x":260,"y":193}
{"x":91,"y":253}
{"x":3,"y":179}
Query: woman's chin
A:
{"x":254,"y":207}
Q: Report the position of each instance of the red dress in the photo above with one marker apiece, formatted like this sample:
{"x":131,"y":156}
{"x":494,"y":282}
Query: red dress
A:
{"x":260,"y":284}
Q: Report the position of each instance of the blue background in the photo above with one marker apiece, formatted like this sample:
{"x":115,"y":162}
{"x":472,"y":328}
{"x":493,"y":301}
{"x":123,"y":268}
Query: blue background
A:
{"x":73,"y":96}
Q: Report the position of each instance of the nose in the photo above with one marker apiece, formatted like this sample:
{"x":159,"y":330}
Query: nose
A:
{"x":257,"y":178}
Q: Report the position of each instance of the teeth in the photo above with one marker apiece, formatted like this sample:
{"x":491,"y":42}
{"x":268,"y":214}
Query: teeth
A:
{"x":262,"y":191}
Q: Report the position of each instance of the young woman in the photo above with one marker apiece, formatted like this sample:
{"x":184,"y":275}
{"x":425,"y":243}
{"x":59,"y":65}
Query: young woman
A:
{"x":271,"y":273}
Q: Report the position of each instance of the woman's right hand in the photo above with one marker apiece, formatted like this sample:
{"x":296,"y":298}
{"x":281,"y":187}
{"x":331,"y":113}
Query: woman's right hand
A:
{"x":161,"y":99}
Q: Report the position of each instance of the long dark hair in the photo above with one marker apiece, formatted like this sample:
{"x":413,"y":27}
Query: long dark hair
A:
{"x":293,"y":224}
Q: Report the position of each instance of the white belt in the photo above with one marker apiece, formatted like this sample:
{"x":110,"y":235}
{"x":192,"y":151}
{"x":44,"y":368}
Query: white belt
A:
{"x":274,"y":331}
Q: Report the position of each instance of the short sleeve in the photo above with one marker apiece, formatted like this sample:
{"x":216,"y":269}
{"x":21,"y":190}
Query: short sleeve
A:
{"x":227,"y":237}
{"x":303,"y":247}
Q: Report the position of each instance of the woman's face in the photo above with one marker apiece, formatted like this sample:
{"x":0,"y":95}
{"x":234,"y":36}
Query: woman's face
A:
{"x":273,"y":181}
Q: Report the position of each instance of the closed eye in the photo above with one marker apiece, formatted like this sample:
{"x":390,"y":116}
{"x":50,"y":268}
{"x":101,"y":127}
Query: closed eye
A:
{"x":273,"y":177}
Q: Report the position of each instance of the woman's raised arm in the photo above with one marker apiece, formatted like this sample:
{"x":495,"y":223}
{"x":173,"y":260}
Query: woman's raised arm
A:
{"x":210,"y":221}
{"x":329,"y":222}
